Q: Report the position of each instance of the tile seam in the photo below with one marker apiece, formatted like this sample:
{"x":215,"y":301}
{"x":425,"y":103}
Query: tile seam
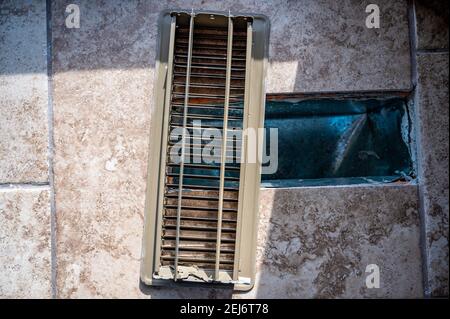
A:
{"x":432,"y":51}
{"x":23,"y":186}
{"x":51,"y":149}
{"x":414,"y":80}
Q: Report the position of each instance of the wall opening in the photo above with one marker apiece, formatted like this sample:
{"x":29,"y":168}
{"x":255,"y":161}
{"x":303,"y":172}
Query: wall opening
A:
{"x":339,"y":141}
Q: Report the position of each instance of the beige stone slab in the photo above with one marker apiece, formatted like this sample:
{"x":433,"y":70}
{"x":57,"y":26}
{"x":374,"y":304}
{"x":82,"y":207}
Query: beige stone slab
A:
{"x":23,"y":92}
{"x":433,"y":112}
{"x":432,"y":24}
{"x":314,"y":45}
{"x":25,"y":252}
{"x":316,"y":242}
{"x":325,"y":46}
{"x":101,"y":146}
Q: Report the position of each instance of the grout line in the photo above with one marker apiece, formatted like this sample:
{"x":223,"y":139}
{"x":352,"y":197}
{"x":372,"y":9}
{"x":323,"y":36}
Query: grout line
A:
{"x":340,"y":94}
{"x":17,"y":186}
{"x":432,"y":51}
{"x":412,"y":22}
{"x":414,"y":80}
{"x":51,"y":149}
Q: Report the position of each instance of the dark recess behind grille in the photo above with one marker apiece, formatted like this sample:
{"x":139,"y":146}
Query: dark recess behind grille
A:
{"x":200,"y":194}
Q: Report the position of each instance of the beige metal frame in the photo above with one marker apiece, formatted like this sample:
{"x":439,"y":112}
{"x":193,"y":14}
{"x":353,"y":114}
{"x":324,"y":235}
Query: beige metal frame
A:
{"x":248,"y":204}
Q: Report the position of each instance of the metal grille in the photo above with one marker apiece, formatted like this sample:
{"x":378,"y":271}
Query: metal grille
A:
{"x":199,"y":222}
{"x":201,"y":213}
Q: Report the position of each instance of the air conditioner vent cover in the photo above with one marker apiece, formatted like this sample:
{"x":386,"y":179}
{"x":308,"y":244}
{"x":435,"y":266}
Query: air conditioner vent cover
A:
{"x":201,"y":215}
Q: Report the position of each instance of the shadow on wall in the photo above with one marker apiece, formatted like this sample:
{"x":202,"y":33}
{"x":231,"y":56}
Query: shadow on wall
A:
{"x":23,"y":38}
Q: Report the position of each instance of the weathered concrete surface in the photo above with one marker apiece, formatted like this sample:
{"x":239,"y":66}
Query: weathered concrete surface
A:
{"x":25,"y":262}
{"x":23,"y":92}
{"x":432,"y":24}
{"x":433,"y":123}
{"x":316,"y":242}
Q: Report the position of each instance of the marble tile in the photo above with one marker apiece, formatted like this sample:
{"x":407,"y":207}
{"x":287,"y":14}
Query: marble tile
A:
{"x":23,"y":92}
{"x":25,"y":252}
{"x":432,"y":24}
{"x":316,"y":242}
{"x":433,"y":113}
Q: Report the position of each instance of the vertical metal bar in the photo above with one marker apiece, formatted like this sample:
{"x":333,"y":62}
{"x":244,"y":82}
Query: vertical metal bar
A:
{"x":183,"y":141}
{"x":248,"y":63}
{"x":165,"y":135}
{"x":224,"y":143}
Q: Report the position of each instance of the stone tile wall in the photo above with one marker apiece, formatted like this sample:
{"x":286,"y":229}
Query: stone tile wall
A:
{"x":25,"y":214}
{"x":316,"y":246}
{"x":432,"y":108}
{"x":102,"y":92}
{"x":316,"y":242}
{"x":23,"y":92}
{"x":25,"y":244}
